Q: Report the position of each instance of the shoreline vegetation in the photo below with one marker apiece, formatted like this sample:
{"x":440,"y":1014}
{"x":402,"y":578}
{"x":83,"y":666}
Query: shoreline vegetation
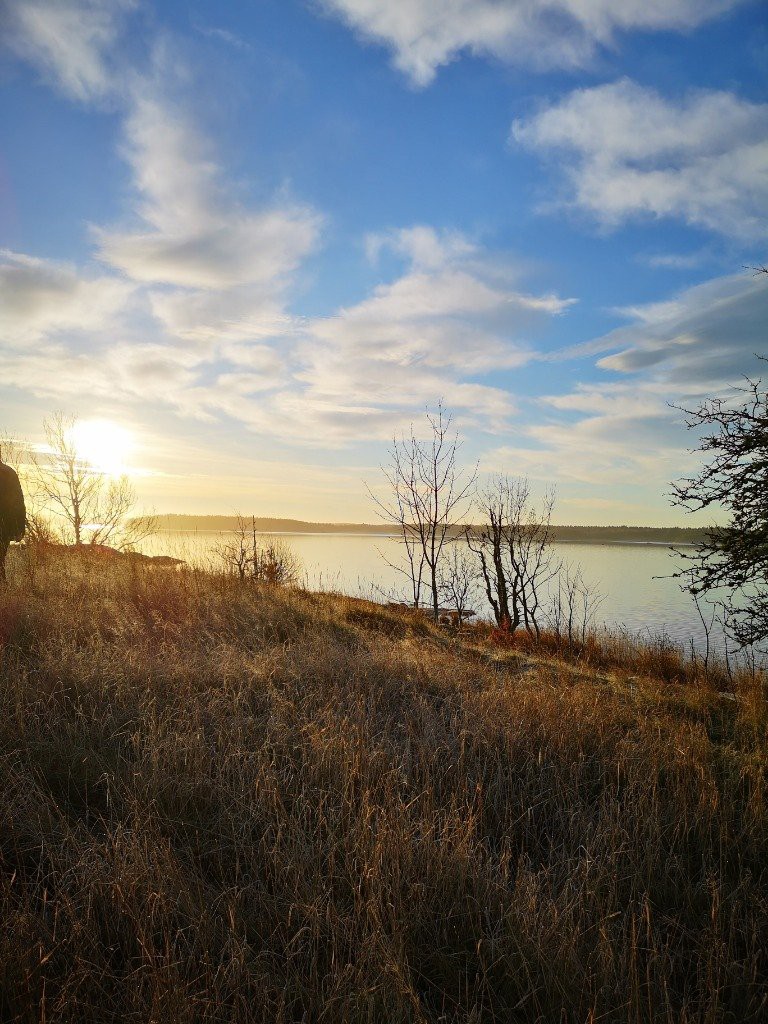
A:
{"x":672,"y":535}
{"x":228,"y":801}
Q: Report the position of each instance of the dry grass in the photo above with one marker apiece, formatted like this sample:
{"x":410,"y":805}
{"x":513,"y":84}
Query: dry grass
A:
{"x":222,"y":803}
{"x":658,"y":657}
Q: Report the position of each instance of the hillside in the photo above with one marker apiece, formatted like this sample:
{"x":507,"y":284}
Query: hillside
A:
{"x":561,"y":534}
{"x":227,"y":803}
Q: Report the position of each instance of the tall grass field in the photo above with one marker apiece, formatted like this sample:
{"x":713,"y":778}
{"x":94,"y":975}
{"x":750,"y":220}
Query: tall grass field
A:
{"x":224,"y":802}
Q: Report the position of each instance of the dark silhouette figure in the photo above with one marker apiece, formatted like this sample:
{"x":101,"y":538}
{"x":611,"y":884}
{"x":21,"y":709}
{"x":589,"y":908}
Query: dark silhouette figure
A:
{"x":13,"y":514}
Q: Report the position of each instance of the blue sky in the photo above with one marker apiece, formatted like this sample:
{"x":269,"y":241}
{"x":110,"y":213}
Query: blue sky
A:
{"x":264,"y":236}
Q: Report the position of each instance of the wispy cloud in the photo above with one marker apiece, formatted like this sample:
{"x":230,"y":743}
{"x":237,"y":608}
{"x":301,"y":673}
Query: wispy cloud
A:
{"x":194,"y":234}
{"x":453,"y":317}
{"x":602,"y":450}
{"x":228,"y":262}
{"x":201,"y":266}
{"x":122,"y":372}
{"x":69,"y":41}
{"x":209,"y":277}
{"x":42,"y":298}
{"x":622,"y":429}
{"x":427,"y":34}
{"x":702,"y":158}
{"x":225,"y":36}
{"x":422,"y":245}
{"x":676,"y":260}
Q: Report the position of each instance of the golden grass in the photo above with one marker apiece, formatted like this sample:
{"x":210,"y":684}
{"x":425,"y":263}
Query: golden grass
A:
{"x":221,"y":803}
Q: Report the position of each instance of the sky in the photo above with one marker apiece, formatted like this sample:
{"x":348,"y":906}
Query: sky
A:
{"x":257,"y":240}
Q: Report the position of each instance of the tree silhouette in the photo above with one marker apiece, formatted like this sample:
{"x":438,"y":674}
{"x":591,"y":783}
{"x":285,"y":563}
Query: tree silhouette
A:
{"x":733,"y":560}
{"x":86,"y":505}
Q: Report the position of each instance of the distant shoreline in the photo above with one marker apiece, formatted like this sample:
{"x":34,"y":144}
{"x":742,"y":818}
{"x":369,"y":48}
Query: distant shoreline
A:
{"x":393,"y":536}
{"x":635,"y":536}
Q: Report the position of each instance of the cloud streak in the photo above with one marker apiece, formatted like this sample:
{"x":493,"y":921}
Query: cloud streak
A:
{"x":621,"y":430}
{"x":705,"y":336}
{"x":213,"y":265}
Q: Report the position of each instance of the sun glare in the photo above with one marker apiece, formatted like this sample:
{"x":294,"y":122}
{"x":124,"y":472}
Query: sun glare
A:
{"x":104,"y":444}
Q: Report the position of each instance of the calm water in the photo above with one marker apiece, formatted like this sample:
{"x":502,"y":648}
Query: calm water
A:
{"x":627,"y":576}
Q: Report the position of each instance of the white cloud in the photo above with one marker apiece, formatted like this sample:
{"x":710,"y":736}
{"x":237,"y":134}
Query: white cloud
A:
{"x":448,"y":317}
{"x":229,"y":260}
{"x":454,"y":316}
{"x":703,"y":159}
{"x":617,"y":444}
{"x":225,"y":36}
{"x":117,"y":372}
{"x":210,"y":274}
{"x":69,"y":41}
{"x":194,"y":234}
{"x":602,"y":450}
{"x":607,"y":400}
{"x":422,"y":245}
{"x":209,"y":277}
{"x":39,"y":298}
{"x":218,"y":251}
{"x":427,"y":34}
{"x":206,"y":269}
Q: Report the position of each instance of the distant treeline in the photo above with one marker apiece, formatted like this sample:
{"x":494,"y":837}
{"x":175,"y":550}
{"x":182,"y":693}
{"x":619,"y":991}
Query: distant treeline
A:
{"x":561,"y":534}
{"x":264,"y":524}
{"x":629,"y":534}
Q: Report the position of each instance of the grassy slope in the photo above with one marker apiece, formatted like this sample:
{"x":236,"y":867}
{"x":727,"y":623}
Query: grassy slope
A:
{"x":220,"y":804}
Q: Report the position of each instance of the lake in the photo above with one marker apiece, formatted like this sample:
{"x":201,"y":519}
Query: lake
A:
{"x":630,"y":577}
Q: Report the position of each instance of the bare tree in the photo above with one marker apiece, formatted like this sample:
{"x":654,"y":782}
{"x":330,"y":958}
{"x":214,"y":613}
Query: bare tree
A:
{"x":253,"y":557}
{"x":458,"y":576}
{"x":512,"y":545}
{"x":86,"y":504}
{"x":488,"y":542}
{"x":572,"y":606}
{"x":402,"y":477}
{"x":13,"y":451}
{"x":429,"y":497}
{"x":235,"y":552}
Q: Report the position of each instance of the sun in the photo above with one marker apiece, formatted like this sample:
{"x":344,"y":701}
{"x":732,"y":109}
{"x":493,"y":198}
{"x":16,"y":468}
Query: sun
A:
{"x":104,"y":444}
